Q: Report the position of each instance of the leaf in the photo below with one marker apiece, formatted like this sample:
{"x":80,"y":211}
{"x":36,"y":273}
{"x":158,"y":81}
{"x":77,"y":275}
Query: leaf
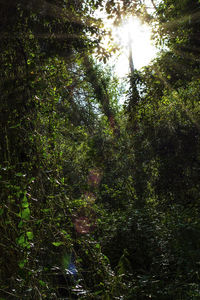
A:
{"x":106,"y":259}
{"x":21,"y":263}
{"x":15,"y":126}
{"x":19,"y":174}
{"x":97,"y":293}
{"x":42,"y":283}
{"x":57,"y":244}
{"x":45,"y":210}
{"x":21,"y":223}
{"x":25,"y":203}
{"x":25,"y":214}
{"x":21,"y":240}
{"x":29,"y":235}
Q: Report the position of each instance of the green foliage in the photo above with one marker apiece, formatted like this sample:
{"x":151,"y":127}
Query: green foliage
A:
{"x":97,"y":202}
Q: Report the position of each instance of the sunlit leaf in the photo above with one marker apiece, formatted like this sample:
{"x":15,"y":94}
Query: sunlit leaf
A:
{"x":29,"y":235}
{"x":25,"y":214}
{"x":57,"y":244}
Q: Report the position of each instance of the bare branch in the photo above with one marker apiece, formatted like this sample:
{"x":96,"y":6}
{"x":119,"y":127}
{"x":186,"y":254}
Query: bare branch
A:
{"x":153,"y":3}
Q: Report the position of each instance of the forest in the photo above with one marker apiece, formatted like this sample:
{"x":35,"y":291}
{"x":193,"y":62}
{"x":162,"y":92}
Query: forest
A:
{"x":98,"y":199}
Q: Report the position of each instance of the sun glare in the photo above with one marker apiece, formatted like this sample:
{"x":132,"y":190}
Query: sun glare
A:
{"x":132,"y":29}
{"x":138,"y":35}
